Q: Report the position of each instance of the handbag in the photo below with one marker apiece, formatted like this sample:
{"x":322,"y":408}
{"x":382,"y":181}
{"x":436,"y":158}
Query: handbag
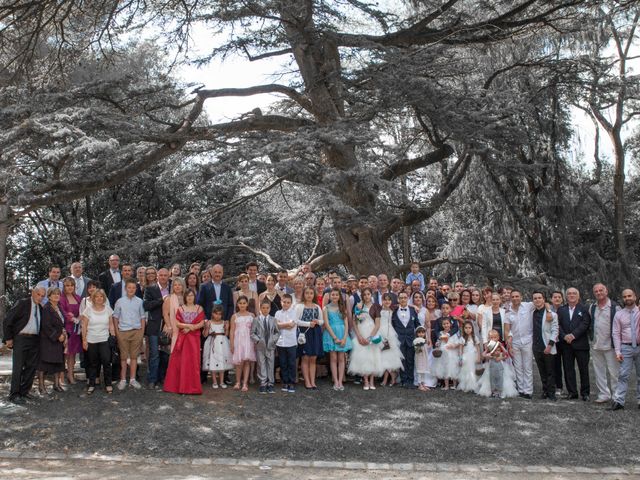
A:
{"x":385,"y":342}
{"x":302,"y":338}
{"x":479,"y":369}
{"x":164,"y":340}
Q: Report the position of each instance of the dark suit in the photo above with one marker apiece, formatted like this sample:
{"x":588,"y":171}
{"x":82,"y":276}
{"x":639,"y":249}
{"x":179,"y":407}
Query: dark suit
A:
{"x":25,"y":348}
{"x":377,"y":298}
{"x":51,"y":358}
{"x":207,"y":299}
{"x":152,"y":304}
{"x":116,"y":292}
{"x":578,"y":351}
{"x":406,"y":335}
{"x":106,"y":280}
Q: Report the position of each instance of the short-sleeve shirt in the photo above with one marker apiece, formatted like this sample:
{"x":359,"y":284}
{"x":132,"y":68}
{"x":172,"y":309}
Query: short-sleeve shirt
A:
{"x":98,"y":326}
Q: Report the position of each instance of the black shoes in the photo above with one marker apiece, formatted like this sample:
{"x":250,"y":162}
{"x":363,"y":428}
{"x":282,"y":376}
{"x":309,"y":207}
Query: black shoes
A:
{"x":616,"y":406}
{"x":586,"y":398}
{"x":572,"y":396}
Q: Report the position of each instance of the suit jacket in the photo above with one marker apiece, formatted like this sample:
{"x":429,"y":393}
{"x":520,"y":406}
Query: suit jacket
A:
{"x":116,"y":292}
{"x":258,"y":334}
{"x":51,"y":327}
{"x":207,"y":298}
{"x":17,"y":318}
{"x":549,"y":331}
{"x":578,"y":325}
{"x":84,"y":293}
{"x":407,"y":334}
{"x":152,"y":303}
{"x":377,"y":298}
{"x":106,"y":280}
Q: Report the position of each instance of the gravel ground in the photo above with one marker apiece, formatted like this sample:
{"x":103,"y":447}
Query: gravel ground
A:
{"x":386,"y":425}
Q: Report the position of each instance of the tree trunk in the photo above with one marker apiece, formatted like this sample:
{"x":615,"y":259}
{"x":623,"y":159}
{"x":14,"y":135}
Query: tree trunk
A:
{"x":618,"y":209}
{"x":4,"y":235}
{"x":367,"y":251}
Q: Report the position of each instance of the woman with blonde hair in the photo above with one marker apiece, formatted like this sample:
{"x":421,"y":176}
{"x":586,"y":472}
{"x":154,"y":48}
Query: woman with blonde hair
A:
{"x":97,"y":325}
{"x":170,"y":306}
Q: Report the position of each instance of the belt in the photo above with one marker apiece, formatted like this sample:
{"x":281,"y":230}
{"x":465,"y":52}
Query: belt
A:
{"x":36,"y":335}
{"x":628,"y":344}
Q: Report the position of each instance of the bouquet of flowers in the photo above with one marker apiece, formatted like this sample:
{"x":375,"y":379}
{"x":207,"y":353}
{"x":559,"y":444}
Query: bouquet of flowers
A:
{"x":359,"y":313}
{"x":419,"y":343}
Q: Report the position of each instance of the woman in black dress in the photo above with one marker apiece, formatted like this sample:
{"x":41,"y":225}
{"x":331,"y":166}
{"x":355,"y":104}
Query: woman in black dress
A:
{"x":53,"y":338}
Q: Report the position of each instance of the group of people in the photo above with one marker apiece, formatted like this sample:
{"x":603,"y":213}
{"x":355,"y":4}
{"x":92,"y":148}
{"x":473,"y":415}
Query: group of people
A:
{"x":418,"y":334}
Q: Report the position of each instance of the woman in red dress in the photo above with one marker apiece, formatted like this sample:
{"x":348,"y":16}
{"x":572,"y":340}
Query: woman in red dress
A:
{"x":183,"y":374}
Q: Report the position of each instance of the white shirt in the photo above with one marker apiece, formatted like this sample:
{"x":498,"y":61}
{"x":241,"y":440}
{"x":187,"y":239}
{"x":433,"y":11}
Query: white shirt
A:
{"x":115,"y":275}
{"x":98,"y":325}
{"x":288,"y":337}
{"x":33,"y":325}
{"x":602,"y":327}
{"x":521,"y":322}
{"x":79,"y":285}
{"x":253,"y":286}
{"x":403,"y":315}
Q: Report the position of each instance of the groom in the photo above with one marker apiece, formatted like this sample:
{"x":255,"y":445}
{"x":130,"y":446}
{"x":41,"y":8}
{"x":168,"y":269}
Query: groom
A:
{"x":405,"y":321}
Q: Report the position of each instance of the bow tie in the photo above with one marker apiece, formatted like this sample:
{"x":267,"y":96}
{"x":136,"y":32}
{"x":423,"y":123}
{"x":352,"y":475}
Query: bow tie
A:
{"x":403,"y":309}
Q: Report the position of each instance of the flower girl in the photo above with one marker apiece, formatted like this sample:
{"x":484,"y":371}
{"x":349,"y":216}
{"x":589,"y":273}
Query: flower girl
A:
{"x":498,"y":379}
{"x":216,"y":354}
{"x":421,"y":361}
{"x":470,"y":353}
{"x":446,"y":366}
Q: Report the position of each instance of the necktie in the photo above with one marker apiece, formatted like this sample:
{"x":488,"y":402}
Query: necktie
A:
{"x":634,"y":328}
{"x":37,"y":317}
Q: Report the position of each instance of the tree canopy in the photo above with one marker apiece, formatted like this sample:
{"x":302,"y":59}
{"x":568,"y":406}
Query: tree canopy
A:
{"x":446,"y":125}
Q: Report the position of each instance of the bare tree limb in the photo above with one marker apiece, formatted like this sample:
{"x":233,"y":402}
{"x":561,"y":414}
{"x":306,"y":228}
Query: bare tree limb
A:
{"x":292,"y":93}
{"x":402,"y":167}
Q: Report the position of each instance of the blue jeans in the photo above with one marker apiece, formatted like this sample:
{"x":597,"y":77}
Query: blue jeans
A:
{"x":287,"y":357}
{"x":630,"y":357}
{"x":154,"y":359}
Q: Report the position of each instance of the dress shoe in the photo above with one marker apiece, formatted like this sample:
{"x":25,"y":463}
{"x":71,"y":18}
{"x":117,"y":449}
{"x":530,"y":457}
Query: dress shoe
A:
{"x":586,"y":398}
{"x":17,"y":400}
{"x":573,"y":396}
{"x":528,"y":396}
{"x":552,"y":397}
{"x":28,"y":396}
{"x":616,"y":406}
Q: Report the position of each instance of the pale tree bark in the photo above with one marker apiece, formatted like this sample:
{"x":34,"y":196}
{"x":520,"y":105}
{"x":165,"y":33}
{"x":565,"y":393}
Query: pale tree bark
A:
{"x":4,"y":236}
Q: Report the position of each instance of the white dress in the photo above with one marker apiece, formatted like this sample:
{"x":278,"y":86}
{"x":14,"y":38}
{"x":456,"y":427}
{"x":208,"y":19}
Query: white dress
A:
{"x":447,"y":365}
{"x":467,"y":380}
{"x":365,"y":359}
{"x":508,"y":381}
{"x":391,"y":359}
{"x":216,"y":353}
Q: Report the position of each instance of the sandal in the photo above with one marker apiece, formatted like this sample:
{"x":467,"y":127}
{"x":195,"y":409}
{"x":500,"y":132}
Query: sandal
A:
{"x":236,"y":386}
{"x":90,"y":390}
{"x":245,"y":388}
{"x":108,"y":390}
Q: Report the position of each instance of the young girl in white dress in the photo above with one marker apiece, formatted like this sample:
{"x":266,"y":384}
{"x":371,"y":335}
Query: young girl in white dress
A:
{"x":216,"y":354}
{"x":498,"y":379}
{"x":446,"y":367}
{"x":421,"y":359}
{"x":470,"y":352}
{"x":391,"y":355}
{"x":366,"y":353}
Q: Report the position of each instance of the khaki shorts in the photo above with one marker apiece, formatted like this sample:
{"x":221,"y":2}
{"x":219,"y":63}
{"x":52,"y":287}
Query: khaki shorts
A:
{"x":130,"y":344}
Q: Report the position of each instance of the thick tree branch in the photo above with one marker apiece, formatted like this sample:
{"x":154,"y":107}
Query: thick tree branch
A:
{"x":336,"y":257}
{"x":402,"y":167}
{"x":412,"y":216}
{"x":502,"y":26}
{"x":264,"y":255}
{"x":405,"y":267}
{"x":292,"y":93}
